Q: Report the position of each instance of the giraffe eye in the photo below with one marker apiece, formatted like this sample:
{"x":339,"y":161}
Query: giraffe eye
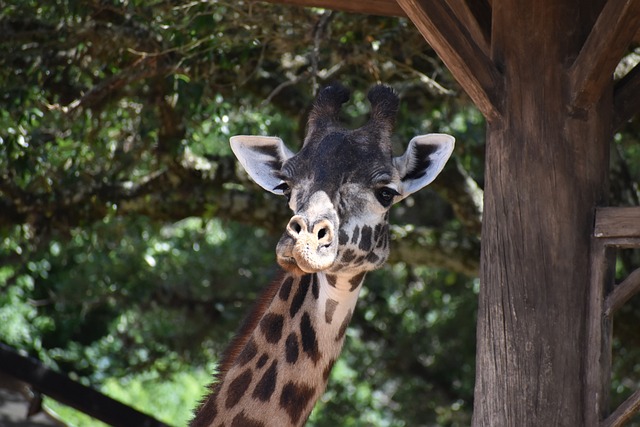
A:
{"x":385,"y":196}
{"x":283,"y":188}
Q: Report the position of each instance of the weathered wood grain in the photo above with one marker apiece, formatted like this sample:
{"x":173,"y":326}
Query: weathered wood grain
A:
{"x":542,"y":184}
{"x":597,"y":370}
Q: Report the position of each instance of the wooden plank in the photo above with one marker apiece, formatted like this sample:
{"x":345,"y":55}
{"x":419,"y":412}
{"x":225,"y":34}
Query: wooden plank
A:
{"x":369,"y":7}
{"x":614,"y":29}
{"x":597,"y":371}
{"x":628,"y":409}
{"x":454,"y":43}
{"x":617,"y":222}
{"x":626,"y":97}
{"x":622,"y":293}
{"x":71,"y":393}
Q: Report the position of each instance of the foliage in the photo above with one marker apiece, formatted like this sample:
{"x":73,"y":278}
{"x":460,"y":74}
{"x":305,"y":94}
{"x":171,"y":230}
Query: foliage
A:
{"x":130,"y":245}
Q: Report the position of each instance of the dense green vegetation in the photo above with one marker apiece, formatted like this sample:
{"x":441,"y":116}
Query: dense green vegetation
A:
{"x":131,"y":245}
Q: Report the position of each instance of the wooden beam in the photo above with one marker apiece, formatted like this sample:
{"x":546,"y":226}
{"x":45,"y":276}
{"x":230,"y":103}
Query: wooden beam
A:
{"x":628,"y":409}
{"x":475,"y":15}
{"x":622,"y":293}
{"x":614,"y":29}
{"x":464,"y":57}
{"x":369,"y":7}
{"x":597,"y":370}
{"x":617,"y":222}
{"x":626,"y":97}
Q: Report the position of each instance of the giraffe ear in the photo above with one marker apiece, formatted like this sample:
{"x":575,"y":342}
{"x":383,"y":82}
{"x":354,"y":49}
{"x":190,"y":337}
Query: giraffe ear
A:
{"x":262,"y":157}
{"x":425,"y":157}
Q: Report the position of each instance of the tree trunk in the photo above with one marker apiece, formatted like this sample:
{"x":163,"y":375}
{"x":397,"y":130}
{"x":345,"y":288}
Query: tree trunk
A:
{"x":546,"y":170}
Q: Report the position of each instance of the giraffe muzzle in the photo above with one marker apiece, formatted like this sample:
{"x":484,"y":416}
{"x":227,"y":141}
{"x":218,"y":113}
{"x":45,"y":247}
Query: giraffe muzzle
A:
{"x":308,"y":245}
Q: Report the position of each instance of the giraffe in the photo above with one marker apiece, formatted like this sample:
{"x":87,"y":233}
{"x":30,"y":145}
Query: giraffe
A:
{"x":340,"y":187}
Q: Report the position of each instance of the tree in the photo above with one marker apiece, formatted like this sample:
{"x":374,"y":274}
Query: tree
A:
{"x":125,"y":222}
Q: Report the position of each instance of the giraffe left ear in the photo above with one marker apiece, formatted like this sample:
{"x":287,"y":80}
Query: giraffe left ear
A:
{"x":262,"y":157}
{"x":424,"y":159}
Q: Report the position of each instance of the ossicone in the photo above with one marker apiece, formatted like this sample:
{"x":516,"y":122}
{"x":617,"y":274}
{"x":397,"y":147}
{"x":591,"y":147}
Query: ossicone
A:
{"x":384,"y":106}
{"x":328,"y":102}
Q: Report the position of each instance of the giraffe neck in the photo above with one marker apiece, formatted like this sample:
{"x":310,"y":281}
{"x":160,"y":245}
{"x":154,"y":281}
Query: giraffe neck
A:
{"x":279,"y":364}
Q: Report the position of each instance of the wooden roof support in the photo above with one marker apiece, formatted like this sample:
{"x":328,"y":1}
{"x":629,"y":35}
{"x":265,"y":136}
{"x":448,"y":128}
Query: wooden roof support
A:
{"x":624,"y":412}
{"x":626,"y":97}
{"x":475,"y":15}
{"x":622,"y":293}
{"x":612,"y":33}
{"x":445,"y":30}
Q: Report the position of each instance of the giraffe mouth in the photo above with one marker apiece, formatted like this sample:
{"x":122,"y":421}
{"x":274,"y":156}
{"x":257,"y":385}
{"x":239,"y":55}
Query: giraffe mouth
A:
{"x":305,"y":254}
{"x":305,"y":259}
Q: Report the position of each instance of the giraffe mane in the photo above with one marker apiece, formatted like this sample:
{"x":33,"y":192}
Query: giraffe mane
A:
{"x":243,"y":334}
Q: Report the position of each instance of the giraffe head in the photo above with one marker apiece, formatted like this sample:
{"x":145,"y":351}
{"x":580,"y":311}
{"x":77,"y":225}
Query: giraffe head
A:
{"x":342,"y":183}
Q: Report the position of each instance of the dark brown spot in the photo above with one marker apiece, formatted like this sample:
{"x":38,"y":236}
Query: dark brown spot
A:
{"x":343,"y":238}
{"x":356,"y":235}
{"x":365,"y":239}
{"x":332,"y":279}
{"x":295,"y":400}
{"x":376,"y":232}
{"x":348,"y":256}
{"x":327,"y":370}
{"x":237,"y":388}
{"x":241,"y":420}
{"x":315,"y":290}
{"x":329,"y":310}
{"x":248,"y":353}
{"x":285,"y":289}
{"x":271,"y":326}
{"x":301,"y":293}
{"x":262,"y":361}
{"x":291,"y":348}
{"x":308,"y":336}
{"x":343,"y":326}
{"x":267,"y":384}
{"x":356,"y":280}
{"x":372,"y":258}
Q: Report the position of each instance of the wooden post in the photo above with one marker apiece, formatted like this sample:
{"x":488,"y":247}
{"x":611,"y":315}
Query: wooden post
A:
{"x":546,"y":171}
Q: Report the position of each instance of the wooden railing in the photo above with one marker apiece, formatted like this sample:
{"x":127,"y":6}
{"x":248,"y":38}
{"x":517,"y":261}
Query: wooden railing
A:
{"x":614,"y":229}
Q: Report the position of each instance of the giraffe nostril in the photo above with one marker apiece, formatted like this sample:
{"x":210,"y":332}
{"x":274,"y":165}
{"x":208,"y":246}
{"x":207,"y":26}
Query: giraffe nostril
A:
{"x":321,"y":233}
{"x":295,"y":226}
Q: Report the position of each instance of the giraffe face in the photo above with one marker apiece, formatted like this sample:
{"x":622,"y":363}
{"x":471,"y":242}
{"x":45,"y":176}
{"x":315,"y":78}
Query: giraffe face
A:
{"x":342,"y":183}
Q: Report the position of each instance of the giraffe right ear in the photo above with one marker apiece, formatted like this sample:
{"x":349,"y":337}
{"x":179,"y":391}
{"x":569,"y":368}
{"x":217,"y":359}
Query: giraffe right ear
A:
{"x":262,"y":157}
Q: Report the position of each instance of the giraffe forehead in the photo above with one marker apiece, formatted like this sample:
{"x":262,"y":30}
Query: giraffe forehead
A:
{"x":340,"y":158}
